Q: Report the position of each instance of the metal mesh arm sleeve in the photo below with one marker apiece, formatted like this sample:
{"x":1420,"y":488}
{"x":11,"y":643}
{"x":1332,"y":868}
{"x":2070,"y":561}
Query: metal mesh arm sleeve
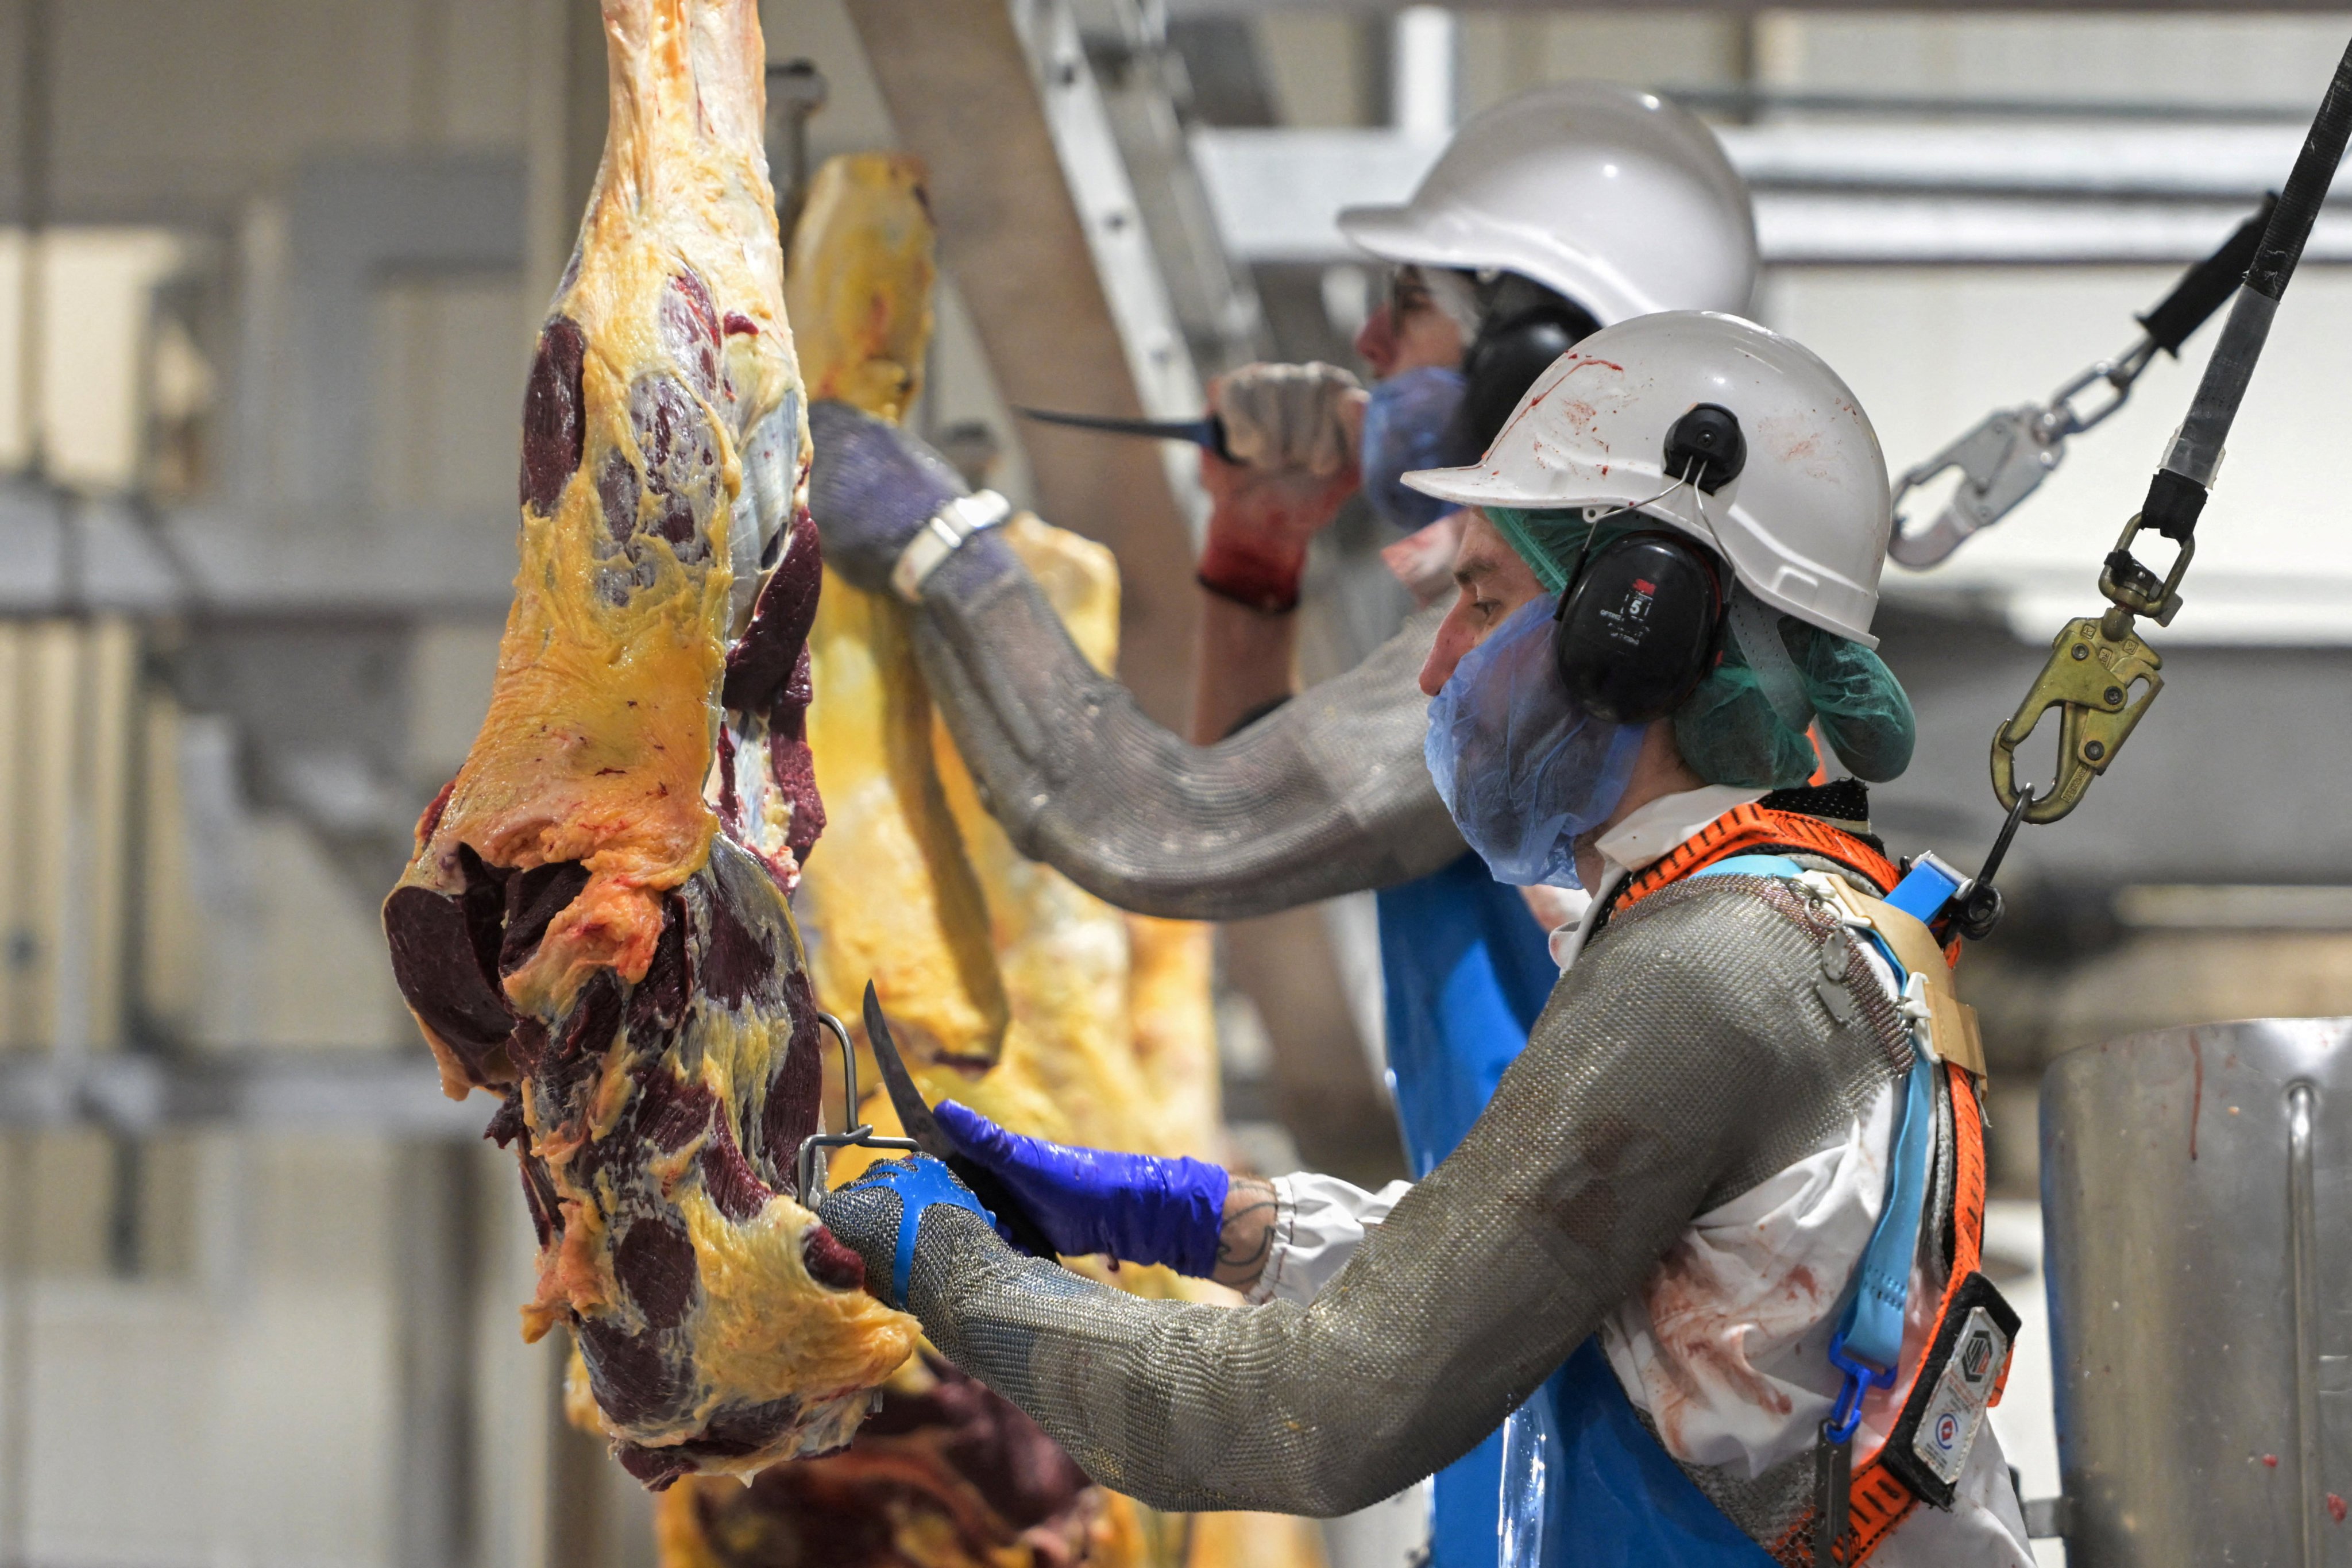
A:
{"x":1327,"y":794}
{"x":1685,"y":1055}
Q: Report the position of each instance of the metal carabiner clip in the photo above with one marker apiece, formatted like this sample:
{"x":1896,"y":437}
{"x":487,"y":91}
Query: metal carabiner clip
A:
{"x":2006,"y":457}
{"x":2101,"y":677}
{"x":2000,"y":461}
{"x":2058,"y":419}
{"x":860,"y":1134}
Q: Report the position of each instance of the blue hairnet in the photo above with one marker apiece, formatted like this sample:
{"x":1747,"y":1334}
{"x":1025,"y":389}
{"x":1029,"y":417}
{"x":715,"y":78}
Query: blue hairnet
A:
{"x":1727,"y":730}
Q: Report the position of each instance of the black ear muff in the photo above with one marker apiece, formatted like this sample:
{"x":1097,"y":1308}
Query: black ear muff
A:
{"x":1705,"y":447}
{"x":1497,"y":370}
{"x":1636,"y":630}
{"x":1524,"y":328}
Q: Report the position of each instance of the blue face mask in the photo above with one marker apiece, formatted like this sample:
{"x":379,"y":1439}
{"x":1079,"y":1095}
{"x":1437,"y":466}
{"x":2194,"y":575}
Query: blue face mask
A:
{"x":1521,"y":768}
{"x":1406,"y":426}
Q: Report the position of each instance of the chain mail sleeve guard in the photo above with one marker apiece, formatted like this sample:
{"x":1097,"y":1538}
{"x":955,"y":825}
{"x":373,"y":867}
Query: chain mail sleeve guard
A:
{"x":1685,"y":1058}
{"x":1327,"y":794}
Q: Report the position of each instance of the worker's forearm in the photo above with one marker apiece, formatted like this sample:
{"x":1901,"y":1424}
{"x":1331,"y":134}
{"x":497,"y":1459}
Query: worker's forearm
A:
{"x":1245,"y":665}
{"x":1248,"y":1235}
{"x":1325,"y":797}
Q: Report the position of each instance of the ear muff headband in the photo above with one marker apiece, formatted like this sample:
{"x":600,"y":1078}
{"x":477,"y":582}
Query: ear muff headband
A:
{"x":1638,"y":625}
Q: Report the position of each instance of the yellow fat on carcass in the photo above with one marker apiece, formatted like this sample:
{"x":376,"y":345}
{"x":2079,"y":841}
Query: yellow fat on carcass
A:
{"x":1009,"y":988}
{"x":890,"y":897}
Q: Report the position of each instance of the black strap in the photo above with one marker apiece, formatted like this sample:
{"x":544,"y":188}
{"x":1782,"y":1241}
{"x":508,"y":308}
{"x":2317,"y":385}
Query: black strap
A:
{"x":2207,"y":286}
{"x":1841,"y":803}
{"x":1833,"y":1499}
{"x":2176,"y":495}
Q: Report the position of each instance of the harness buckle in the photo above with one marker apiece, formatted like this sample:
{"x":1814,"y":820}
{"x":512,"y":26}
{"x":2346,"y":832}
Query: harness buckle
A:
{"x":1860,"y":1378}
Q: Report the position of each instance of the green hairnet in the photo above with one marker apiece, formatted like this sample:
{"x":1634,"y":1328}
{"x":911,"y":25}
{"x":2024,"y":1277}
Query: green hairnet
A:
{"x":1727,"y":730}
{"x":1549,"y":542}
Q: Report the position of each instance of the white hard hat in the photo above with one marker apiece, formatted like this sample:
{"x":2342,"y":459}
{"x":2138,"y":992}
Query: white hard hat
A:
{"x":1610,"y":195}
{"x":1803,"y":522}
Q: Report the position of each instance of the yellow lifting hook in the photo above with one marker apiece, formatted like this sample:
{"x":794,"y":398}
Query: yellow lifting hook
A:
{"x":2100,"y":676}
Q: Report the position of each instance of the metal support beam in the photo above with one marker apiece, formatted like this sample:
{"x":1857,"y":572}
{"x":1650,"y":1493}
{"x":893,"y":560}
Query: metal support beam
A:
{"x":1854,"y":192}
{"x":1059,"y":286}
{"x":1146,"y":92}
{"x":1191,"y":8}
{"x":434,"y":1220}
{"x":384,"y":1094}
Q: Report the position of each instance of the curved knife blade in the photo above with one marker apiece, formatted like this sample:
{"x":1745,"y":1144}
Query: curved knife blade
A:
{"x":914,"y":1116}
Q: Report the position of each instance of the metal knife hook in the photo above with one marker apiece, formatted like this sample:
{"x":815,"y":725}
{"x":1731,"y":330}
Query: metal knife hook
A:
{"x":850,"y":1098}
{"x":856,"y":1133}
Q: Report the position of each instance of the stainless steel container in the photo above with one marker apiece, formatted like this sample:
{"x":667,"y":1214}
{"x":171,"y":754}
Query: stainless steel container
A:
{"x":2197,"y":1207}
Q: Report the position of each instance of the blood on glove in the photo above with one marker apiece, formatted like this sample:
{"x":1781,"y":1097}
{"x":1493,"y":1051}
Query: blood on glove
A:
{"x":1292,"y":429}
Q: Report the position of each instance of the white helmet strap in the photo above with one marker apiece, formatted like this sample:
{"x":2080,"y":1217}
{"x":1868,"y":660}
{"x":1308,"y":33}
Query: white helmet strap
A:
{"x":1757,"y":625}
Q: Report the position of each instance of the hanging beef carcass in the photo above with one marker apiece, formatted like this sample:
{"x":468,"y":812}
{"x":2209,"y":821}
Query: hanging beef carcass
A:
{"x":1008,"y":986}
{"x":593,"y":928}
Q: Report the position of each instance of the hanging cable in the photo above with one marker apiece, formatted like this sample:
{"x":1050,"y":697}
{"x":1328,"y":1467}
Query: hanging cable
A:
{"x":2101,"y":675}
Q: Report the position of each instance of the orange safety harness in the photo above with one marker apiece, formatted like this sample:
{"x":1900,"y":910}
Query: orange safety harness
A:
{"x":1881,"y":1498}
{"x":1751,"y":829}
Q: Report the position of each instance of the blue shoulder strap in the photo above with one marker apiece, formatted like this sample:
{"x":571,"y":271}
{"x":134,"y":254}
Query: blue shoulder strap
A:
{"x":1868,"y":1340}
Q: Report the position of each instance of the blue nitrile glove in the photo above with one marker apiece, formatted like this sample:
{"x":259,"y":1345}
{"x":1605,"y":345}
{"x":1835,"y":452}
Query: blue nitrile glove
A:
{"x":922,"y":1183}
{"x":1138,"y":1208}
{"x":872,"y":486}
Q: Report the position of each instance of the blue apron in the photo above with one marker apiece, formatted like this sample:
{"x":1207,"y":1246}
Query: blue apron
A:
{"x":1615,"y":1498}
{"x":1466,"y":970}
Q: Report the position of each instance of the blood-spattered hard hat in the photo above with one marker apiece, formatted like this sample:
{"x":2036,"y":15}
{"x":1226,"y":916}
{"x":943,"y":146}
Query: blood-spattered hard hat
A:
{"x":1610,"y":195}
{"x":1803,"y":521}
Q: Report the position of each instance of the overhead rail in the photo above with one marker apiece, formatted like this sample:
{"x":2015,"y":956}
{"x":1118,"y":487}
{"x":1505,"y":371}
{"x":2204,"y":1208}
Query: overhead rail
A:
{"x":392,"y":1094}
{"x":1850,"y":192}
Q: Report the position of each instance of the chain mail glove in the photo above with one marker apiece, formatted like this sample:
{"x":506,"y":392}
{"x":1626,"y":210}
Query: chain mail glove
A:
{"x":1137,"y":1208}
{"x":920,"y":1184}
{"x":872,"y":486}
